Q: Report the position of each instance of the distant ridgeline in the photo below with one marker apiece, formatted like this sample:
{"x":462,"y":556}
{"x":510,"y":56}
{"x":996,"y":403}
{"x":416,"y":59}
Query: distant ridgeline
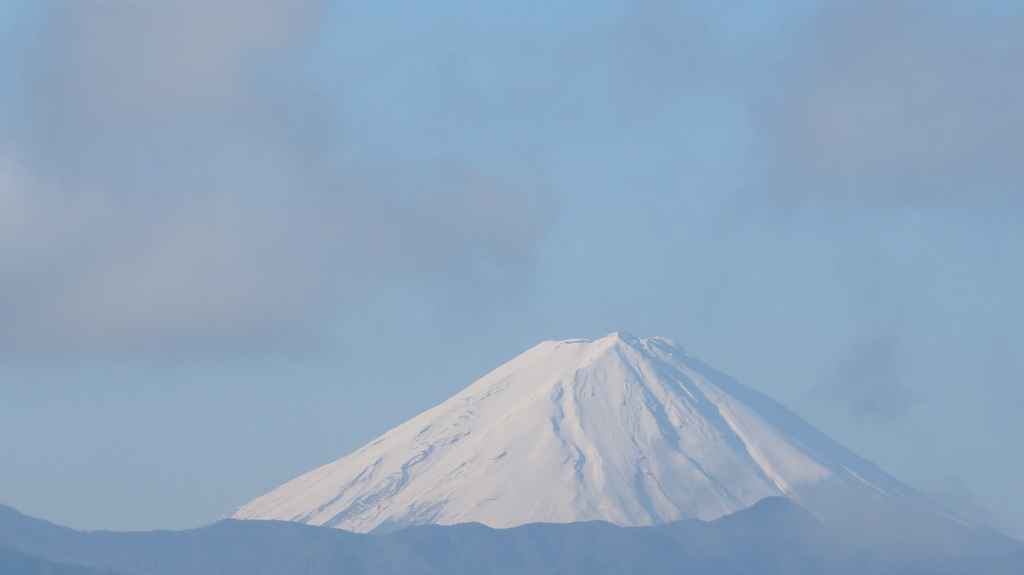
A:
{"x":773,"y":537}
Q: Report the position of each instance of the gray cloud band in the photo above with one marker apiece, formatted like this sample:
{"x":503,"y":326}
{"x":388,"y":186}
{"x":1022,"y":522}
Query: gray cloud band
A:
{"x":165,"y":185}
{"x":902,"y":101}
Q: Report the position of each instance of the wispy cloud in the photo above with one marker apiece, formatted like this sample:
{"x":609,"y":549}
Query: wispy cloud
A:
{"x":168,"y":180}
{"x":904,"y":101}
{"x":871,"y":380}
{"x":1004,"y":371}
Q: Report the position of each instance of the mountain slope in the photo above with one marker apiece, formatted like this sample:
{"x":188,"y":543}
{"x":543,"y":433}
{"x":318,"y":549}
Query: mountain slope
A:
{"x":17,"y":563}
{"x":621,"y":429}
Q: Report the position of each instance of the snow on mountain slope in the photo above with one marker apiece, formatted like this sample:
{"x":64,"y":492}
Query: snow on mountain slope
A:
{"x":622,"y":429}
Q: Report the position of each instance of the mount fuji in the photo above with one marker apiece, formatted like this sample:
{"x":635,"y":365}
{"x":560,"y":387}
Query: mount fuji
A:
{"x":631,"y":431}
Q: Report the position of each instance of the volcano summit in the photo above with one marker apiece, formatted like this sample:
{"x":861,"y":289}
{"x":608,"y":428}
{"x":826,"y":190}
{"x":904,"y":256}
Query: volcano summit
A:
{"x":622,"y":429}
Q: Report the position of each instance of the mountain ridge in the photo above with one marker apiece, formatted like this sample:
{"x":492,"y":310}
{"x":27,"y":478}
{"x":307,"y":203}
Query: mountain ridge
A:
{"x":775,"y":536}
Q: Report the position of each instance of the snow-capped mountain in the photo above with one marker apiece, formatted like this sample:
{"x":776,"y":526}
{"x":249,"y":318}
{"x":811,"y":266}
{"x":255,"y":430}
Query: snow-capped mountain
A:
{"x":623,"y":429}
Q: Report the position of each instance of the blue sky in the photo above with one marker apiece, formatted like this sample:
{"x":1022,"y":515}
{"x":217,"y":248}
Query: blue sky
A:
{"x":240,"y":239}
